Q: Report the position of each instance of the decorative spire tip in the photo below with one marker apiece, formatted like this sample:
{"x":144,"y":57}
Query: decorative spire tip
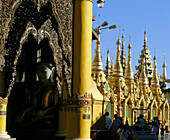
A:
{"x":129,"y":46}
{"x":118,"y":41}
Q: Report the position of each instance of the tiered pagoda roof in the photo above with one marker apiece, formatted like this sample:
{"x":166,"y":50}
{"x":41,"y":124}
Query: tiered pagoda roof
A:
{"x":147,"y":59}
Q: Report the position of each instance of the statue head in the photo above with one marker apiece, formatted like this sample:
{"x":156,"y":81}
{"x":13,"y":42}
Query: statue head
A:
{"x":45,"y":72}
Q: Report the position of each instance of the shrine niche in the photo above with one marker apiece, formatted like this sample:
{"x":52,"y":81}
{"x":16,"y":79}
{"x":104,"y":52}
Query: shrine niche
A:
{"x":37,"y":56}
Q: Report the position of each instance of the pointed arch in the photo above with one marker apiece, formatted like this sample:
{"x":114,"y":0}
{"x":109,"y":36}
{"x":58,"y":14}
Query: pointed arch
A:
{"x":129,"y":100}
{"x":153,"y":109}
{"x":142,"y":101}
{"x":45,"y":31}
{"x":154,"y":103}
{"x":165,"y":111}
{"x":165,"y":104}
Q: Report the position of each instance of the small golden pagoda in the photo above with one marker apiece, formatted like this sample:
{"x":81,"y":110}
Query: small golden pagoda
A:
{"x":148,"y":62}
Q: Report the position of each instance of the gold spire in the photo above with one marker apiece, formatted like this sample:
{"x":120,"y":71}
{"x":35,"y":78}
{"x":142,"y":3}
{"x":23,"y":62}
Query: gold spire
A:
{"x":123,"y":55}
{"x":164,"y":69}
{"x":107,"y":68}
{"x":118,"y":71}
{"x":123,"y":44}
{"x":118,"y":43}
{"x":148,"y":62}
{"x":129,"y":73}
{"x":108,"y":59}
{"x":111,"y":63}
{"x":145,"y":40}
{"x":155,"y":80}
{"x":143,"y":80}
{"x":97,"y":64}
{"x":111,"y":68}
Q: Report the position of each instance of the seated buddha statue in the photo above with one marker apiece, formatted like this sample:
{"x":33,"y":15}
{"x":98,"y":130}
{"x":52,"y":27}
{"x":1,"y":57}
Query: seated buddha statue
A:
{"x":41,"y":101}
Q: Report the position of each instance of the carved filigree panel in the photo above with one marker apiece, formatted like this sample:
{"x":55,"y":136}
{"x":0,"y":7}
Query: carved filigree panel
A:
{"x":2,"y":62}
{"x":62,"y":11}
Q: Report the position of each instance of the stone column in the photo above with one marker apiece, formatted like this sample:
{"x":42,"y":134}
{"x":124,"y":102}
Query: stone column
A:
{"x":62,"y":119}
{"x":62,"y":114}
{"x":3,"y":108}
{"x":79,"y":106}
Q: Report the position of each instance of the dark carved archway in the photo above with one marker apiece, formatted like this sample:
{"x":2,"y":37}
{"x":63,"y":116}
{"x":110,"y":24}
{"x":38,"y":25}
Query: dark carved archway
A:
{"x":25,"y":14}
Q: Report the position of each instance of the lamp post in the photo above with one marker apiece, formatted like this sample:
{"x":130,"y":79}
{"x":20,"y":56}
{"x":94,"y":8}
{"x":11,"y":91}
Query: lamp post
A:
{"x":98,"y":29}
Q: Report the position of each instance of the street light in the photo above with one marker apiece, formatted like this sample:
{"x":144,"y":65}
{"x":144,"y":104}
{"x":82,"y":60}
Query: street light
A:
{"x":100,"y":3}
{"x":105,"y":23}
{"x":110,"y":27}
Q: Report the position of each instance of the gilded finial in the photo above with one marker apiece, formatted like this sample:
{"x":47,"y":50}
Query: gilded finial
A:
{"x":112,"y":63}
{"x":118,"y":47}
{"x":164,"y":64}
{"x":108,"y":52}
{"x":154,"y":58}
{"x":164,"y":68}
{"x":123,"y":36}
{"x":111,"y":67}
{"x":118,"y":41}
{"x":129,"y":46}
{"x":143,"y":80}
{"x":118,"y":71}
{"x":123,"y":55}
{"x":145,"y":40}
{"x":108,"y":58}
{"x":107,"y":67}
{"x":129,"y":77}
{"x":155,"y":80}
